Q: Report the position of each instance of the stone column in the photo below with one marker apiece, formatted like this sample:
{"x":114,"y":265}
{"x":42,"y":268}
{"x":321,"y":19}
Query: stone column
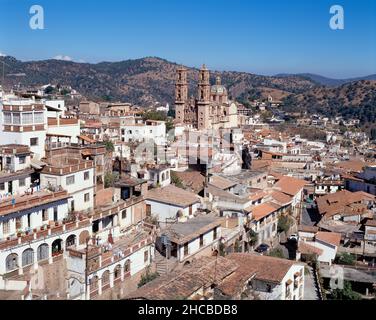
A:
{"x":36,"y":259}
{"x":19,"y":264}
{"x":50,"y":259}
{"x":122,"y":274}
{"x":99,"y":286}
{"x":112,"y":279}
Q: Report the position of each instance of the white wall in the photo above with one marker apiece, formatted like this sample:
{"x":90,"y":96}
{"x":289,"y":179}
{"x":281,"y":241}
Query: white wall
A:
{"x":76,"y":190}
{"x":164,"y":211}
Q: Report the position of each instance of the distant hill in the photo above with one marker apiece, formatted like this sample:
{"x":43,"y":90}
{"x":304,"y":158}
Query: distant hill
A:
{"x":351,"y":100}
{"x":327,"y":81}
{"x":142,"y":81}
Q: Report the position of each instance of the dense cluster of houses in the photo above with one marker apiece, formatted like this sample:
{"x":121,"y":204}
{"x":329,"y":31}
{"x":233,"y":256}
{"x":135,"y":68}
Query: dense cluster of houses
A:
{"x":96,"y":199}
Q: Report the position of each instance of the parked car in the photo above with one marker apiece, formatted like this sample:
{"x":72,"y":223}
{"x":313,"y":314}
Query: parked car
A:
{"x":262,"y":248}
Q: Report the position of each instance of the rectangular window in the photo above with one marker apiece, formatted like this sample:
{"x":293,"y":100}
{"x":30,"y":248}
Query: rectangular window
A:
{"x":56,"y":216}
{"x":21,"y":182}
{"x":45,"y":215}
{"x":146,"y":256}
{"x":124,"y":214}
{"x":38,"y":117}
{"x":70,"y":180}
{"x":6,"y":227}
{"x":22,"y":159}
{"x":9,"y":160}
{"x":27,"y":118}
{"x":87,"y":197}
{"x":7,"y":118}
{"x":186,"y":251}
{"x":86,"y":175}
{"x":201,"y":241}
{"x":19,"y":223}
{"x":33,"y":142}
{"x":16,"y":118}
{"x":2,"y":186}
{"x":215,"y":235}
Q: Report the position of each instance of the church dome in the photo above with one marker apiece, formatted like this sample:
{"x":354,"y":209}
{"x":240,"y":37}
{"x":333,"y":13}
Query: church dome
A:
{"x":218,"y":88}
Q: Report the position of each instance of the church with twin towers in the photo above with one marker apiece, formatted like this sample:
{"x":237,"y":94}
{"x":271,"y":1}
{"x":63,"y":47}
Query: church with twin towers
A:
{"x":210,"y":108}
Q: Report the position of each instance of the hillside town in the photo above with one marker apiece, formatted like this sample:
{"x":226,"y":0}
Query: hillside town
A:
{"x":206,"y":199}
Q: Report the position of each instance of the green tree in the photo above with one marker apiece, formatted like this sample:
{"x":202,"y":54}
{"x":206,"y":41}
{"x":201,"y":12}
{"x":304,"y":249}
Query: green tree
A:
{"x":277,"y":252}
{"x":110,"y":178}
{"x":253,"y":237}
{"x":347,"y":293}
{"x":109,"y":146}
{"x":284,"y":224}
{"x":175,"y":179}
{"x":346,"y":258}
{"x":147,"y":277}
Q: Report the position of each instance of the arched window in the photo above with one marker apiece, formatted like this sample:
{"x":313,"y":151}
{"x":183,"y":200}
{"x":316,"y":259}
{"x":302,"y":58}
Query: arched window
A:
{"x":71,"y":241}
{"x":127,"y":266}
{"x":105,"y":278}
{"x":27,"y":257}
{"x":93,"y":283}
{"x":117,"y":271}
{"x":42,"y":252}
{"x":57,"y":247}
{"x":11,"y":262}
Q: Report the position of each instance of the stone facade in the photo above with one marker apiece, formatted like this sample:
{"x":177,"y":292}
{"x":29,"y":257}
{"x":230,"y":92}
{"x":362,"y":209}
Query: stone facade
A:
{"x":210,"y":109}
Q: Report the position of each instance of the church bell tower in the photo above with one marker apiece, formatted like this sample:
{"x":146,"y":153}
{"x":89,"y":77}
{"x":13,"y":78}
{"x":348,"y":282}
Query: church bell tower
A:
{"x":203,"y":99}
{"x":181,"y":93}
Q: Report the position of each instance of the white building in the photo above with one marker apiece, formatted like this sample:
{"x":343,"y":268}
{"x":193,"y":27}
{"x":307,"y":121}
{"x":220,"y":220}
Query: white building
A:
{"x":144,"y":131}
{"x":171,"y":203}
{"x":24,"y":121}
{"x":35,"y":229}
{"x":73,"y":175}
{"x":196,"y":237}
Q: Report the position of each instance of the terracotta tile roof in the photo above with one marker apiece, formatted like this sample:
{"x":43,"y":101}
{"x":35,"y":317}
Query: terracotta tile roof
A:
{"x":304,"y":228}
{"x":262,"y":210}
{"x":194,"y":180}
{"x":184,"y":283}
{"x":263,"y":268}
{"x":343,"y":203}
{"x":172,"y":195}
{"x":351,"y":165}
{"x":307,"y":248}
{"x":221,"y":183}
{"x":257,"y":195}
{"x":281,"y":198}
{"x":329,"y":237}
{"x":289,"y":185}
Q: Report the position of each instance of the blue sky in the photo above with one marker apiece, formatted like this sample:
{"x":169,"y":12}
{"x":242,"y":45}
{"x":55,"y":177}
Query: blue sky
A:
{"x":264,"y":37}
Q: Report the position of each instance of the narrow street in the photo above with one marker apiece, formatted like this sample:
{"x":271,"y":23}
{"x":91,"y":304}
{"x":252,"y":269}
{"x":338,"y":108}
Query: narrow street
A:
{"x":310,"y":289}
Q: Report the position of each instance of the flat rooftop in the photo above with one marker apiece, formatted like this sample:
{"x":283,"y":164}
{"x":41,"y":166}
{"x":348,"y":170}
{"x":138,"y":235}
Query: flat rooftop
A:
{"x":183,"y":232}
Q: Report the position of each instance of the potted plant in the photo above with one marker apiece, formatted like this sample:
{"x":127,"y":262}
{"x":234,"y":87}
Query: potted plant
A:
{"x":48,"y":226}
{"x":56,"y":223}
{"x":19,"y":234}
{"x":35,"y":230}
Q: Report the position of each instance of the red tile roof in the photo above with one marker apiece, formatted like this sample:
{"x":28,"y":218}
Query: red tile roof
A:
{"x":332,"y":238}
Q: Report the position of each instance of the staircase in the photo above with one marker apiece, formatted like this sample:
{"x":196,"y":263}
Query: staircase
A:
{"x":163,"y":266}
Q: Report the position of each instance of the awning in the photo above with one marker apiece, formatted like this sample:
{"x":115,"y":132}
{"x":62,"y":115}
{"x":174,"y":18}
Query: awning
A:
{"x":57,"y":135}
{"x":87,"y":139}
{"x":37,"y":164}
